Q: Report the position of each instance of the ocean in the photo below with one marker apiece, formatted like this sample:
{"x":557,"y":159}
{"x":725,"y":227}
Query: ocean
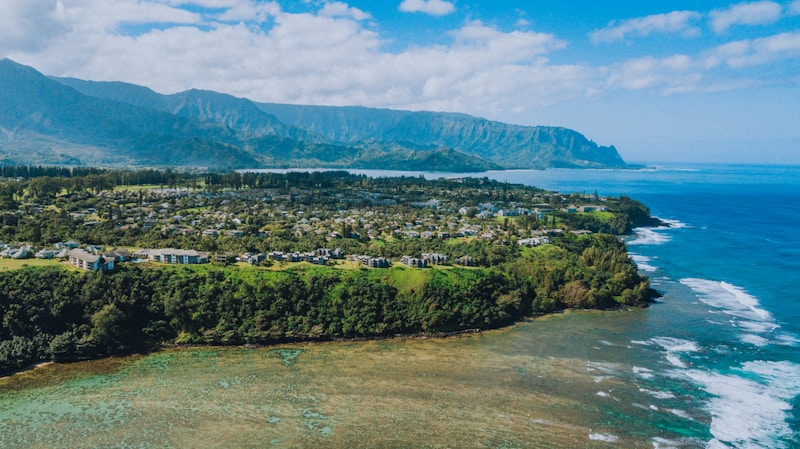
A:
{"x":713,"y":364}
{"x":728,"y":266}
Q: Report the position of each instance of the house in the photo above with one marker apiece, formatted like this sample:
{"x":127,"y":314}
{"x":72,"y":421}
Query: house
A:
{"x":331,"y":254}
{"x":374,"y":262}
{"x":533,"y":241}
{"x":378,"y":262}
{"x":414,"y":262}
{"x":87,"y":261}
{"x":177,"y":256}
{"x":466,"y":261}
{"x":592,"y":208}
{"x":20,"y":253}
{"x":256,"y":259}
{"x":434,"y":258}
{"x":276,"y":255}
{"x":52,"y":253}
{"x":224,"y":257}
{"x":507,"y":213}
{"x":119,"y":255}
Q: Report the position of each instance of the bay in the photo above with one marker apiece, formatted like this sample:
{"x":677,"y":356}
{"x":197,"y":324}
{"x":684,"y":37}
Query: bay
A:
{"x":713,"y":364}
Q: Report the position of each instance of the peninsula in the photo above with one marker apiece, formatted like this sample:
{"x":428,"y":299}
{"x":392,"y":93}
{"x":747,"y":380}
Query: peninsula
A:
{"x":102,"y":262}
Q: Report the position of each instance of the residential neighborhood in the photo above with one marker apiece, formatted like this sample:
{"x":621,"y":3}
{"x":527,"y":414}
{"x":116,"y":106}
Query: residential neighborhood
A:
{"x":352,"y":218}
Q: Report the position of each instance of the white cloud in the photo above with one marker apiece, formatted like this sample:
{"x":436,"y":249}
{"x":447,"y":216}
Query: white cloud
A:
{"x":673,"y":22}
{"x":206,"y":3}
{"x":753,"y":52}
{"x":332,"y":54}
{"x":756,"y":13}
{"x":794,"y":8}
{"x":672,"y":74}
{"x":339,"y":9}
{"x":432,"y":7}
{"x":327,"y":56}
{"x":30,"y":24}
{"x":247,"y":11}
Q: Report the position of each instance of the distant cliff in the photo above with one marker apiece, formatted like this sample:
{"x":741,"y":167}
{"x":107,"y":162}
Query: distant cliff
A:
{"x":511,"y":146}
{"x":69,"y":121}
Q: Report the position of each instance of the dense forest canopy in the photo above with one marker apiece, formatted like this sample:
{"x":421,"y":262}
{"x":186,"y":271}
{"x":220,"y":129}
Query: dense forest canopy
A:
{"x":61,"y":314}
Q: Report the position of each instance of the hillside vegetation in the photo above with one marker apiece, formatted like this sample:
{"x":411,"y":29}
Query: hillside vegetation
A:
{"x":81,"y":123}
{"x":61,"y":313}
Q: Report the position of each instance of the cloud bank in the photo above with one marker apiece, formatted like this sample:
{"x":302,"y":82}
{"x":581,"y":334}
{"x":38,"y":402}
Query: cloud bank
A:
{"x":673,"y":22}
{"x":336,"y":54}
{"x":757,"y":13}
{"x":432,"y":7}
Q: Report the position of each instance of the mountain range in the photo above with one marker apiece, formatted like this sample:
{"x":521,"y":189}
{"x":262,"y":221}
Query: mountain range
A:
{"x":67,"y":121}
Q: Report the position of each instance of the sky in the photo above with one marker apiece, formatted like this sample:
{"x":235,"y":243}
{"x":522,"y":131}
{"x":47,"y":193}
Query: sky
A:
{"x":663,"y":81}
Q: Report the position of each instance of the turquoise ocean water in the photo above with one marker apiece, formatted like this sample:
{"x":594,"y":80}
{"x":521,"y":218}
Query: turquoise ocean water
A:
{"x":721,"y":348}
{"x":729,"y":269}
{"x":714,"y":364}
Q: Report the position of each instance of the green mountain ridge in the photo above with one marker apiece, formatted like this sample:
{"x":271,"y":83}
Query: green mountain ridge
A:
{"x":68,"y":121}
{"x":511,"y":146}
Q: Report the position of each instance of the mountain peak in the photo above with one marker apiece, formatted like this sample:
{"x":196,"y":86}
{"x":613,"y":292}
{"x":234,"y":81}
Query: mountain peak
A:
{"x":52,"y":120}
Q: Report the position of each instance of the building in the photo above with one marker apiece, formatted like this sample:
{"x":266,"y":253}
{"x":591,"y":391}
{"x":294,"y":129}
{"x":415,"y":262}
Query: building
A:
{"x":466,"y":261}
{"x":87,"y":261}
{"x":177,"y":256}
{"x":533,"y":241}
{"x":414,"y":262}
{"x":373,"y":262}
{"x":434,"y":258}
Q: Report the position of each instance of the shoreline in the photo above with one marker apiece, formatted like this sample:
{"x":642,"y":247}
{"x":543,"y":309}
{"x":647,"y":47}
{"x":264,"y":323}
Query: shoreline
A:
{"x":419,"y":336}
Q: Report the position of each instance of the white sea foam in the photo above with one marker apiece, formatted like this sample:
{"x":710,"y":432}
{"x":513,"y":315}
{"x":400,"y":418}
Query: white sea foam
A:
{"x":675,"y":347}
{"x":754,"y":340}
{"x":658,"y":394}
{"x":598,"y":379}
{"x":663,"y":443}
{"x":644,"y":373}
{"x":674,"y":224}
{"x":642,"y":262}
{"x":756,"y":323}
{"x":729,"y":298}
{"x":608,"y":438}
{"x":603,"y":367}
{"x":679,"y":413}
{"x":650,"y":236}
{"x":750,"y":406}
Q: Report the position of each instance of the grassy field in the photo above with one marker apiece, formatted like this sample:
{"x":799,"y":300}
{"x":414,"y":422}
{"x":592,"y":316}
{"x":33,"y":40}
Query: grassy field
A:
{"x":137,"y":188}
{"x":600,"y":215}
{"x":17,"y":264}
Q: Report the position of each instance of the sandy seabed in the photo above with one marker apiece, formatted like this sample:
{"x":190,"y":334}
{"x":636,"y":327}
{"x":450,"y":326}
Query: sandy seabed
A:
{"x":499,"y":389}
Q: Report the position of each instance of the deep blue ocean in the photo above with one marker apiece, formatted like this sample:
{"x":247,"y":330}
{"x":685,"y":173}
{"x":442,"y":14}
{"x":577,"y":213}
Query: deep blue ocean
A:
{"x":719,"y":351}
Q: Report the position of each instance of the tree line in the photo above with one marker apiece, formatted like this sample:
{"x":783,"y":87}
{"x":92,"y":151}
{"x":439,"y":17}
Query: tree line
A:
{"x":61,"y":315}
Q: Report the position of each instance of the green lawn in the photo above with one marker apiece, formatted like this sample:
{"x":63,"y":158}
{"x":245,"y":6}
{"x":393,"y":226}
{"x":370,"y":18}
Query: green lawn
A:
{"x":17,"y":264}
{"x":600,"y":215}
{"x":137,"y":188}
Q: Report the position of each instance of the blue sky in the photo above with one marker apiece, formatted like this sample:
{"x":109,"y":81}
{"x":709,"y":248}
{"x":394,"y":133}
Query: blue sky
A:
{"x":685,"y":81}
